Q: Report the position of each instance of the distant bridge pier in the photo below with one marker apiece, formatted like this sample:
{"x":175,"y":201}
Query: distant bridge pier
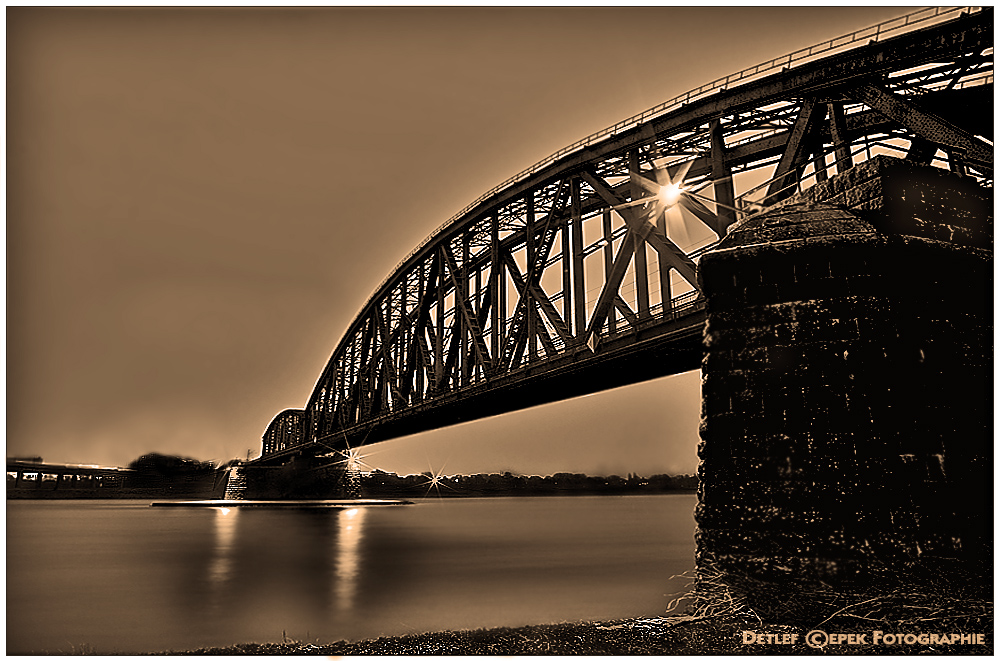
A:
{"x":846,"y":413}
{"x":302,"y":476}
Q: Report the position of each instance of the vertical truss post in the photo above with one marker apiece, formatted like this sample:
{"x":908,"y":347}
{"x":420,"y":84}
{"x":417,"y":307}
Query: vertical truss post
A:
{"x":838,"y":133}
{"x":609,"y":256}
{"x":365,"y":376}
{"x":380,"y":366}
{"x":921,"y":151}
{"x":496,"y":286}
{"x":389,"y":369}
{"x":529,"y":247}
{"x":371,"y":359}
{"x":353,"y":378}
{"x":819,"y":166}
{"x":819,"y":149}
{"x":579,"y":285}
{"x":723,"y":178}
{"x":955,"y":162}
{"x":480,"y":304}
{"x":418,"y":335}
{"x":439,"y":324}
{"x":404,"y":341}
{"x":485,"y":369}
{"x":397,"y":348}
{"x":641,"y":268}
{"x":567,"y":279}
{"x":408,"y":325}
{"x":663,"y":267}
{"x":463,"y":279}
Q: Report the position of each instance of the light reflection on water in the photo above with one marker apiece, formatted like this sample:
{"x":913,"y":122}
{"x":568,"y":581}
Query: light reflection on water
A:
{"x":225,"y":531}
{"x":348,"y":556}
{"x":123,"y":577}
{"x":344,"y":550}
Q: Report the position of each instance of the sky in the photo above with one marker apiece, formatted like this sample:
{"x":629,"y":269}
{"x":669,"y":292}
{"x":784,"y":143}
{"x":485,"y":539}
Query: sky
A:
{"x":199,"y":201}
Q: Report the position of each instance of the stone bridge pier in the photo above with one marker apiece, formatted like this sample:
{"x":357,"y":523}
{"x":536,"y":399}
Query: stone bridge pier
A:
{"x":847,"y":417}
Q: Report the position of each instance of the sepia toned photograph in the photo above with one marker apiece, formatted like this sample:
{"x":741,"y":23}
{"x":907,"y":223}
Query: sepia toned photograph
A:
{"x":499,"y":331}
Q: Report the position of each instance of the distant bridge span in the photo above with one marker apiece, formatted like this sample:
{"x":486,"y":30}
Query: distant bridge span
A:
{"x":580,"y":273}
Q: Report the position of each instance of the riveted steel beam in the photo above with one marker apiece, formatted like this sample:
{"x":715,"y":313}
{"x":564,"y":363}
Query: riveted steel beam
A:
{"x":641,"y":267}
{"x":925,"y":125}
{"x":722,"y":176}
{"x":609,"y":258}
{"x":579,"y":279}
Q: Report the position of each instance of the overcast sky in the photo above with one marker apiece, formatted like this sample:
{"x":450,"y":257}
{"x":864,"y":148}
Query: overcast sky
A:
{"x":199,"y":201}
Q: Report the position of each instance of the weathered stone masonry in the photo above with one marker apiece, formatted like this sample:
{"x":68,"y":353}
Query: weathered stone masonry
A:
{"x":846,"y":387}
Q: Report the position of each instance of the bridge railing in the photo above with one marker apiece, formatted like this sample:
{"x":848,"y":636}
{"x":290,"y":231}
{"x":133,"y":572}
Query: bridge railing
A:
{"x":679,"y":306}
{"x":871,"y":34}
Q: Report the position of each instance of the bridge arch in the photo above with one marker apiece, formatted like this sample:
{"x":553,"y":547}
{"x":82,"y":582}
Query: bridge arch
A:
{"x":580,"y":273}
{"x":286,"y":430}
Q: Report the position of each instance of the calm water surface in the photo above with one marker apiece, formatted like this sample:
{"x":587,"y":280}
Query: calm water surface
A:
{"x":123,"y":577}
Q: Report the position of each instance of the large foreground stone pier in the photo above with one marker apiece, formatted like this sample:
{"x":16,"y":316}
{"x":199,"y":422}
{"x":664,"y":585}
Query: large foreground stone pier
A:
{"x":847,"y":416}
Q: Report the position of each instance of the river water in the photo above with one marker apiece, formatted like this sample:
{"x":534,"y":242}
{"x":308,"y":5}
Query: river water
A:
{"x":123,"y":577}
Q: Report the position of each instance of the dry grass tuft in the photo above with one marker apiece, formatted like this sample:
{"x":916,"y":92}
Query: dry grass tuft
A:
{"x":890,"y":601}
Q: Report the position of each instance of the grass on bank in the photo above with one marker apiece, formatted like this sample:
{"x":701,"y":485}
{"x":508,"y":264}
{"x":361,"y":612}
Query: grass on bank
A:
{"x":710,"y":619}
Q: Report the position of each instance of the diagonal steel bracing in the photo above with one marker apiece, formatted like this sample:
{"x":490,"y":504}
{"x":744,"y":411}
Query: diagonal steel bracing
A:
{"x":482,"y":353}
{"x":522,"y":326}
{"x":794,"y":155}
{"x":646,"y":231}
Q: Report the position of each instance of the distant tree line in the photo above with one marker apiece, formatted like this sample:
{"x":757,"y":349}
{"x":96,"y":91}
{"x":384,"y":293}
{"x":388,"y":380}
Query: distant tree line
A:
{"x":379,"y":483}
{"x":168,"y":476}
{"x":171,"y":475}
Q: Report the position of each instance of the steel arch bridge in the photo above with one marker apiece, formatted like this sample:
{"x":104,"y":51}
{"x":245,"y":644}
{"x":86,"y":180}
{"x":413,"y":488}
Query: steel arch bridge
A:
{"x":580,"y":273}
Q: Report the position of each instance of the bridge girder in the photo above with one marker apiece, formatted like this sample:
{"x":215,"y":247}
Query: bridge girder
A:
{"x":551,"y":272}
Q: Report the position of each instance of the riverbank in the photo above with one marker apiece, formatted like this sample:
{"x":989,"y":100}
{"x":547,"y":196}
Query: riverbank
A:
{"x":761,"y":618}
{"x":724,"y":635}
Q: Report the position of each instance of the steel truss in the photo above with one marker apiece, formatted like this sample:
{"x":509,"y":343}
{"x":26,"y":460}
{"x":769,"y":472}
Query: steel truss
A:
{"x":551,"y":267}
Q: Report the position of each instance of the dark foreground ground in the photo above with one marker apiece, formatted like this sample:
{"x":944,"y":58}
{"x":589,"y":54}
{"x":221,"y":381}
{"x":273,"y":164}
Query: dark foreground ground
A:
{"x":648,"y":636}
{"x":723,"y":618}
